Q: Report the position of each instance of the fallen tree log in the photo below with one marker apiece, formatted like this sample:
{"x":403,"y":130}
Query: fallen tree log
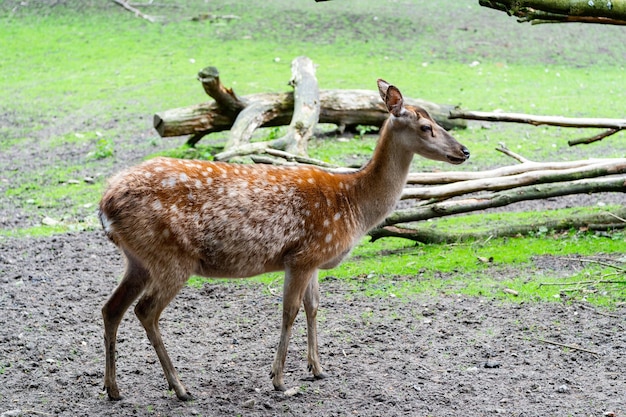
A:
{"x":598,"y":222}
{"x":344,"y":108}
{"x":562,"y":11}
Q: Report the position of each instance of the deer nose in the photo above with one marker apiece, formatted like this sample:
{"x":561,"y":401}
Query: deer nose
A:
{"x":466,"y":152}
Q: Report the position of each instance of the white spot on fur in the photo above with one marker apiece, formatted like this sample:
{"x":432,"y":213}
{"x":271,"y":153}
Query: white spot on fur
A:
{"x":157,"y":206}
{"x":311,"y":180}
{"x":326,"y":223}
{"x":168,"y":182}
{"x":209,"y":181}
{"x":328,"y":238}
{"x":183,"y":177}
{"x":337,"y":216}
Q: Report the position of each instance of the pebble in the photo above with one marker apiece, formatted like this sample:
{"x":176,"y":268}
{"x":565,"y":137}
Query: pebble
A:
{"x":492,"y":364}
{"x":48,"y":221}
{"x":249,"y":403}
{"x":292,"y":391}
{"x":563,"y":389}
{"x":11,"y":413}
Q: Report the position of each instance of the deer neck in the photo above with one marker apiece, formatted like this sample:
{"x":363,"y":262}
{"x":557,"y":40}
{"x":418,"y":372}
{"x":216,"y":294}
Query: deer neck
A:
{"x":379,"y":184}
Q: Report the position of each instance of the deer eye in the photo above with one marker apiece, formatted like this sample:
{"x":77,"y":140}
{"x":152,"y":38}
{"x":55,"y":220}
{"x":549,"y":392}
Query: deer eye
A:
{"x":426,"y":128}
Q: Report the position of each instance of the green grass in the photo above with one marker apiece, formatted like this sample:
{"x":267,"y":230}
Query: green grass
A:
{"x":87,"y":77}
{"x":398,"y":268}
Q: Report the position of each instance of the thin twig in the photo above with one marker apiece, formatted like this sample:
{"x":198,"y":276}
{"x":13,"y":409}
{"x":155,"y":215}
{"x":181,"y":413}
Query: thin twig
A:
{"x":502,"y":148}
{"x":594,"y":261}
{"x":130,"y":8}
{"x":600,"y":312}
{"x":35,"y":412}
{"x":616,"y":216}
{"x":550,"y":342}
{"x":592,"y":139}
{"x":601,"y":281}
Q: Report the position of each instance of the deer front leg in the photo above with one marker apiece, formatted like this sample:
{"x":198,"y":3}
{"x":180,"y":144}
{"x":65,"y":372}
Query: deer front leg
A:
{"x":311,"y":302}
{"x":296,"y":283}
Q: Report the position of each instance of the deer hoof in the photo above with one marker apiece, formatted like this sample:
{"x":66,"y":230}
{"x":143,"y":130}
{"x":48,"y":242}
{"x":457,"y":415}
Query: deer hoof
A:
{"x":113,"y":394}
{"x":185,"y":396}
{"x":280,"y":387}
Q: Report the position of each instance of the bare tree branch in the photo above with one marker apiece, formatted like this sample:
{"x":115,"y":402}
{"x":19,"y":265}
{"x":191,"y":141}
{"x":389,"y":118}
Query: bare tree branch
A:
{"x":137,"y":12}
{"x":554,"y":11}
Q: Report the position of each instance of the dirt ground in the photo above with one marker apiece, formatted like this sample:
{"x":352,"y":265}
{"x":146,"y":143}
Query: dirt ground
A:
{"x":435,"y":356}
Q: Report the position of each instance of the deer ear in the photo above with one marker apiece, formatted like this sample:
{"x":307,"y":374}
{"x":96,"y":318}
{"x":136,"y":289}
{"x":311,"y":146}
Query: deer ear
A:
{"x":394,"y":101}
{"x":382,"y":88}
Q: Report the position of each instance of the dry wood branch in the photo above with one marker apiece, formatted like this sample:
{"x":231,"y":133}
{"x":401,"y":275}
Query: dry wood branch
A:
{"x":617,"y":166}
{"x":226,"y":99}
{"x":446,"y":177}
{"x":503,"y":198}
{"x":600,"y":136}
{"x":586,"y":307}
{"x":305,"y":115}
{"x":306,"y":106}
{"x":591,"y":282}
{"x":340,"y":107}
{"x":537,"y":120}
{"x":249,"y":149}
{"x":428,"y":235}
{"x":137,"y":12}
{"x":613,"y":125}
{"x":544,"y":11}
{"x":595,"y":261}
{"x":573,"y":347}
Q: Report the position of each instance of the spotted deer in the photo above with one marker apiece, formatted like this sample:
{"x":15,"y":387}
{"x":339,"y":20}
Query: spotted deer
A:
{"x":173,"y":218}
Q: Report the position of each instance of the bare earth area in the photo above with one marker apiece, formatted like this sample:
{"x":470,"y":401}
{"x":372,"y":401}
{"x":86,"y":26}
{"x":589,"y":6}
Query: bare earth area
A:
{"x":439,"y":356}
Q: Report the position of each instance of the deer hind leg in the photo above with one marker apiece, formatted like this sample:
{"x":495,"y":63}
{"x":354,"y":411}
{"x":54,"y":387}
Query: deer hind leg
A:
{"x":296,"y":282}
{"x":149,"y":309}
{"x":133,"y":283}
{"x":311,"y":302}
